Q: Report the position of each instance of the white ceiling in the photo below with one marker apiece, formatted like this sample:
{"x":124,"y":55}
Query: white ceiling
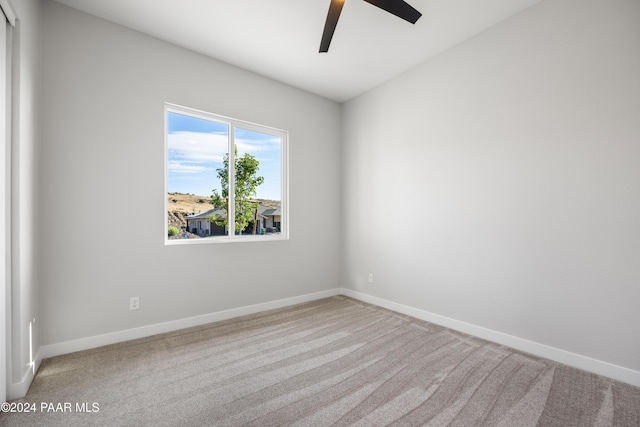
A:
{"x":280,"y":38}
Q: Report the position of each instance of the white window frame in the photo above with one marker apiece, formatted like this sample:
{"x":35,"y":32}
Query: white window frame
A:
{"x":232,"y":123}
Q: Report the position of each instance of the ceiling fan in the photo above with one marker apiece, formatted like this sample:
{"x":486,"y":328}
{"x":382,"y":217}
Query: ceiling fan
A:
{"x":399,"y":8}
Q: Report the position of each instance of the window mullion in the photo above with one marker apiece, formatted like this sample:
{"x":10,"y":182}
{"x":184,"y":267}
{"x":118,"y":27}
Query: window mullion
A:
{"x":231,"y":215}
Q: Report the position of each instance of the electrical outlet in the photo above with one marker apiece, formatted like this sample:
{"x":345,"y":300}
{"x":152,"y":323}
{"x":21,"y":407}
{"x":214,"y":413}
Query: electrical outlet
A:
{"x":370,"y":277}
{"x":134,"y":303}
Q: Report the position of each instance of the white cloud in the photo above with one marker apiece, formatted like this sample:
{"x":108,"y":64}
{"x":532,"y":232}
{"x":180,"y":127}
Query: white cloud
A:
{"x":255,"y":146}
{"x":197,"y":147}
{"x":177,"y":166}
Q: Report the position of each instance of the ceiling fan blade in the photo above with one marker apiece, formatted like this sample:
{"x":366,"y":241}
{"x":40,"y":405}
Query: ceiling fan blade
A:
{"x":400,"y":8}
{"x":330,"y":25}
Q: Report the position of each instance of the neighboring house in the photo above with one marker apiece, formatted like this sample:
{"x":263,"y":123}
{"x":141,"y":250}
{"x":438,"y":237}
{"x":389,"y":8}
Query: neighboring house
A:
{"x":202,"y":225}
{"x":269,"y":219}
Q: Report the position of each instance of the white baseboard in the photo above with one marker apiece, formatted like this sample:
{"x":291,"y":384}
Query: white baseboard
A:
{"x":20,"y":389}
{"x":599,"y":367}
{"x":159,"y":328}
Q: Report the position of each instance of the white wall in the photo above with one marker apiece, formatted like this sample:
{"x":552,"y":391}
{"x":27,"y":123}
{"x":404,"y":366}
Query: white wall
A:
{"x":103,"y":121}
{"x":499,"y":183}
{"x":24,"y":187}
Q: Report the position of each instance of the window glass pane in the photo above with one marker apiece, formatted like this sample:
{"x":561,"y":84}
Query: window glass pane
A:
{"x":196,"y":149}
{"x":258,"y":180}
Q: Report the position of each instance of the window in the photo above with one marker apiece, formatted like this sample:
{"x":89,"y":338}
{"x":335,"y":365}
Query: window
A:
{"x":225,"y":179}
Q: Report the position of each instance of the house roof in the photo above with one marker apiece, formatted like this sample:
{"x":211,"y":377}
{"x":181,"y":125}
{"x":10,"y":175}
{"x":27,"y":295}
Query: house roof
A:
{"x":208,"y":214}
{"x":262,"y":211}
{"x":266,"y":211}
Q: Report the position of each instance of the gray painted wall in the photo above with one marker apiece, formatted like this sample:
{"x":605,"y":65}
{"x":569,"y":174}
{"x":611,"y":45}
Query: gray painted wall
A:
{"x":103,"y":148}
{"x":498,"y":184}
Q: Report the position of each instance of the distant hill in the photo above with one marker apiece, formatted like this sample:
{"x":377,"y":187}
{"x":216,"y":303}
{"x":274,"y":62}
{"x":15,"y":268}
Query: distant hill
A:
{"x":188,"y":203}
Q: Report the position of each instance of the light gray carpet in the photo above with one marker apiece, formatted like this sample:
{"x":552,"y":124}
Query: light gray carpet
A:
{"x":330,"y":362}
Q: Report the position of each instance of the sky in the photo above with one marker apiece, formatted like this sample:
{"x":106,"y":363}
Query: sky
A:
{"x":196,"y":148}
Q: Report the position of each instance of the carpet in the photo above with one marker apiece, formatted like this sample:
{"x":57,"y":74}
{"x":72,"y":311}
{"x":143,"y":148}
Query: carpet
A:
{"x":332,"y":362}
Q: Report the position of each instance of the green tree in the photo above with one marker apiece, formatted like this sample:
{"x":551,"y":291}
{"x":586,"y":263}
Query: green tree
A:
{"x":246,"y":184}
